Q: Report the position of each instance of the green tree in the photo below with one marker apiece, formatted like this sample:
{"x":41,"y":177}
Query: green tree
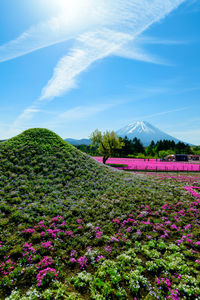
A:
{"x":137,"y":146}
{"x":107,"y":142}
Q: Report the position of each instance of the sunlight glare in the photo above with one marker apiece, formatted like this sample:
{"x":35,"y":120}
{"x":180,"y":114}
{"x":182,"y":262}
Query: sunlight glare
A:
{"x":72,"y":8}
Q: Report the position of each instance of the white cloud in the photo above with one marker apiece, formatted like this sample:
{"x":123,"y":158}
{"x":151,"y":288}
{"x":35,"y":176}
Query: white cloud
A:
{"x":92,"y":47}
{"x":80,"y":113}
{"x":99,"y":28}
{"x":61,"y":27}
{"x":137,"y":53}
{"x":129,"y":20}
{"x":166,"y":112}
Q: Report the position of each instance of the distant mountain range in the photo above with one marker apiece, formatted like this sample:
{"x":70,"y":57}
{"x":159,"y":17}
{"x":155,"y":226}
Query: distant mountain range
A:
{"x":145,"y":132}
{"x":75,"y":142}
{"x":139,"y":129}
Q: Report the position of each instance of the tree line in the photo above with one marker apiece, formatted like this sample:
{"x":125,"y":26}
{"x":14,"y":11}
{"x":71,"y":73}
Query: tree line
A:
{"x":109,"y":144}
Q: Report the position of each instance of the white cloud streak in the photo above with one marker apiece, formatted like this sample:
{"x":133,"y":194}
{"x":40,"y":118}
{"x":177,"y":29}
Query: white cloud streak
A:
{"x":78,"y":113}
{"x":99,"y":28}
{"x":165,"y":112}
{"x":129,"y":20}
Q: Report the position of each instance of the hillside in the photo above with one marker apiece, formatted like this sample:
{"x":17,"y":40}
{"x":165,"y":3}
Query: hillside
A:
{"x":71,"y":228}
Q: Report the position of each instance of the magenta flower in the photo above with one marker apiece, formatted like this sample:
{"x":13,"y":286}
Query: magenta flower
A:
{"x":108,"y":249}
{"x":99,"y":257}
{"x":43,"y":273}
{"x":69,"y":233}
{"x":99,"y":234}
{"x":73,"y":252}
{"x":116,"y":221}
{"x":79,"y":221}
{"x":46,"y":261}
{"x":82,"y":261}
{"x":29,"y":230}
{"x":57,"y":219}
{"x":46,"y":245}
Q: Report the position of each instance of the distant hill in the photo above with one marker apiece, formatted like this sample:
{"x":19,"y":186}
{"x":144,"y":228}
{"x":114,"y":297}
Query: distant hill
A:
{"x":75,"y":142}
{"x":145,"y":132}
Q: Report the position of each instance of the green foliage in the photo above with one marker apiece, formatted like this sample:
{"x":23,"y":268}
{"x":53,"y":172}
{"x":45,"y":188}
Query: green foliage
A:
{"x":107,"y":218}
{"x":107,"y":142}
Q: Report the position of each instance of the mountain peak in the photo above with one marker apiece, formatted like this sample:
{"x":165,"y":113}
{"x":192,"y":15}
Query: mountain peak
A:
{"x":144,"y":131}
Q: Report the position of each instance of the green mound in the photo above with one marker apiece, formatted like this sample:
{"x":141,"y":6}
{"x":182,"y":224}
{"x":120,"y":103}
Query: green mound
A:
{"x":71,"y":228}
{"x":41,"y":152}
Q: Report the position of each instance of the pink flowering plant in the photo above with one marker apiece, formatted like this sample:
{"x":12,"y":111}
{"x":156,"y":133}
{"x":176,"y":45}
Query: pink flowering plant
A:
{"x":45,"y":276}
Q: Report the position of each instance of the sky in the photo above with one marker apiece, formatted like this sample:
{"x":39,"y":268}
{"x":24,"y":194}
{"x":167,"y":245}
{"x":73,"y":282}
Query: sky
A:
{"x":75,"y":66}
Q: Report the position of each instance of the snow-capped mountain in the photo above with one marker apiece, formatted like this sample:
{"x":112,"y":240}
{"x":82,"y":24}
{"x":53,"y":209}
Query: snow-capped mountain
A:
{"x":145,"y":132}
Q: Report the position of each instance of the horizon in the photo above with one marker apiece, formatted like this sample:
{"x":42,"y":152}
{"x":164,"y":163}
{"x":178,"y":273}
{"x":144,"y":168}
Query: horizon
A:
{"x":72,"y":71}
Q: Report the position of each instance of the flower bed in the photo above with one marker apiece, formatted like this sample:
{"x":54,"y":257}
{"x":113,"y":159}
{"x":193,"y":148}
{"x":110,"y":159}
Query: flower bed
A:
{"x":151,"y":164}
{"x":192,"y":189}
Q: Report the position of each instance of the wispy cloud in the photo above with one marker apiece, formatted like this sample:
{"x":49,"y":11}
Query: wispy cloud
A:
{"x":92,"y":47}
{"x":165,"y":112}
{"x":131,"y":18}
{"x":161,"y":113}
{"x":77,"y":114}
{"x":136,"y":49}
{"x":99,"y":28}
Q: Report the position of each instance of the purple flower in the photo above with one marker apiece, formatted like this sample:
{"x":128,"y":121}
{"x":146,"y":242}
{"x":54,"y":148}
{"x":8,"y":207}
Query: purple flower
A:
{"x":82,"y":261}
{"x":99,"y":257}
{"x":108,"y":249}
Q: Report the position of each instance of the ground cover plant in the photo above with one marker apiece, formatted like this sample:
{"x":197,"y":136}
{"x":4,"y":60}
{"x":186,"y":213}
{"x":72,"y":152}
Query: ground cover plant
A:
{"x":72,"y":228}
{"x":152,"y":164}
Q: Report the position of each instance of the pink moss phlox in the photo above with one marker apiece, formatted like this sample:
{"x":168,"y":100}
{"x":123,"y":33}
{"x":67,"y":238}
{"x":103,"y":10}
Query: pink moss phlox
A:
{"x":82,"y":261}
{"x":197,"y":261}
{"x":62,"y":224}
{"x":99,"y":257}
{"x":114,"y":239}
{"x":99,"y":234}
{"x":73,"y":252}
{"x":40,"y":276}
{"x":28,"y":247}
{"x":41,"y":225}
{"x":79,"y":221}
{"x":116,"y":221}
{"x":154,"y":165}
{"x":29,"y":230}
{"x":7,"y":267}
{"x":108,"y":249}
{"x":149,"y":237}
{"x":45,"y":262}
{"x":57,"y":219}
{"x":46,"y":245}
{"x":69,"y":233}
{"x":191,"y":190}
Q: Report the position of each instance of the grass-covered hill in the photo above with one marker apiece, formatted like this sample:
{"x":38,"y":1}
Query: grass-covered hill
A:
{"x":71,"y":228}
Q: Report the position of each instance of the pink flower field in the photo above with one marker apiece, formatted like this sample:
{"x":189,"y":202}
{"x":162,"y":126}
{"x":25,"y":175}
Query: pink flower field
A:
{"x":151,"y":164}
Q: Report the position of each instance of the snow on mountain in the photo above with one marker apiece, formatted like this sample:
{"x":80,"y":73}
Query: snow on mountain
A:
{"x":145,"y":132}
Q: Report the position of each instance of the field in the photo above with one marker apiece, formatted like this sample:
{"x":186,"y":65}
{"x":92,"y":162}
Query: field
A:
{"x":152,"y":165}
{"x":72,"y":228}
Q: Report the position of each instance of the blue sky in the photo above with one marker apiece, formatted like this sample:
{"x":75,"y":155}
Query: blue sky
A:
{"x":74,"y":66}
